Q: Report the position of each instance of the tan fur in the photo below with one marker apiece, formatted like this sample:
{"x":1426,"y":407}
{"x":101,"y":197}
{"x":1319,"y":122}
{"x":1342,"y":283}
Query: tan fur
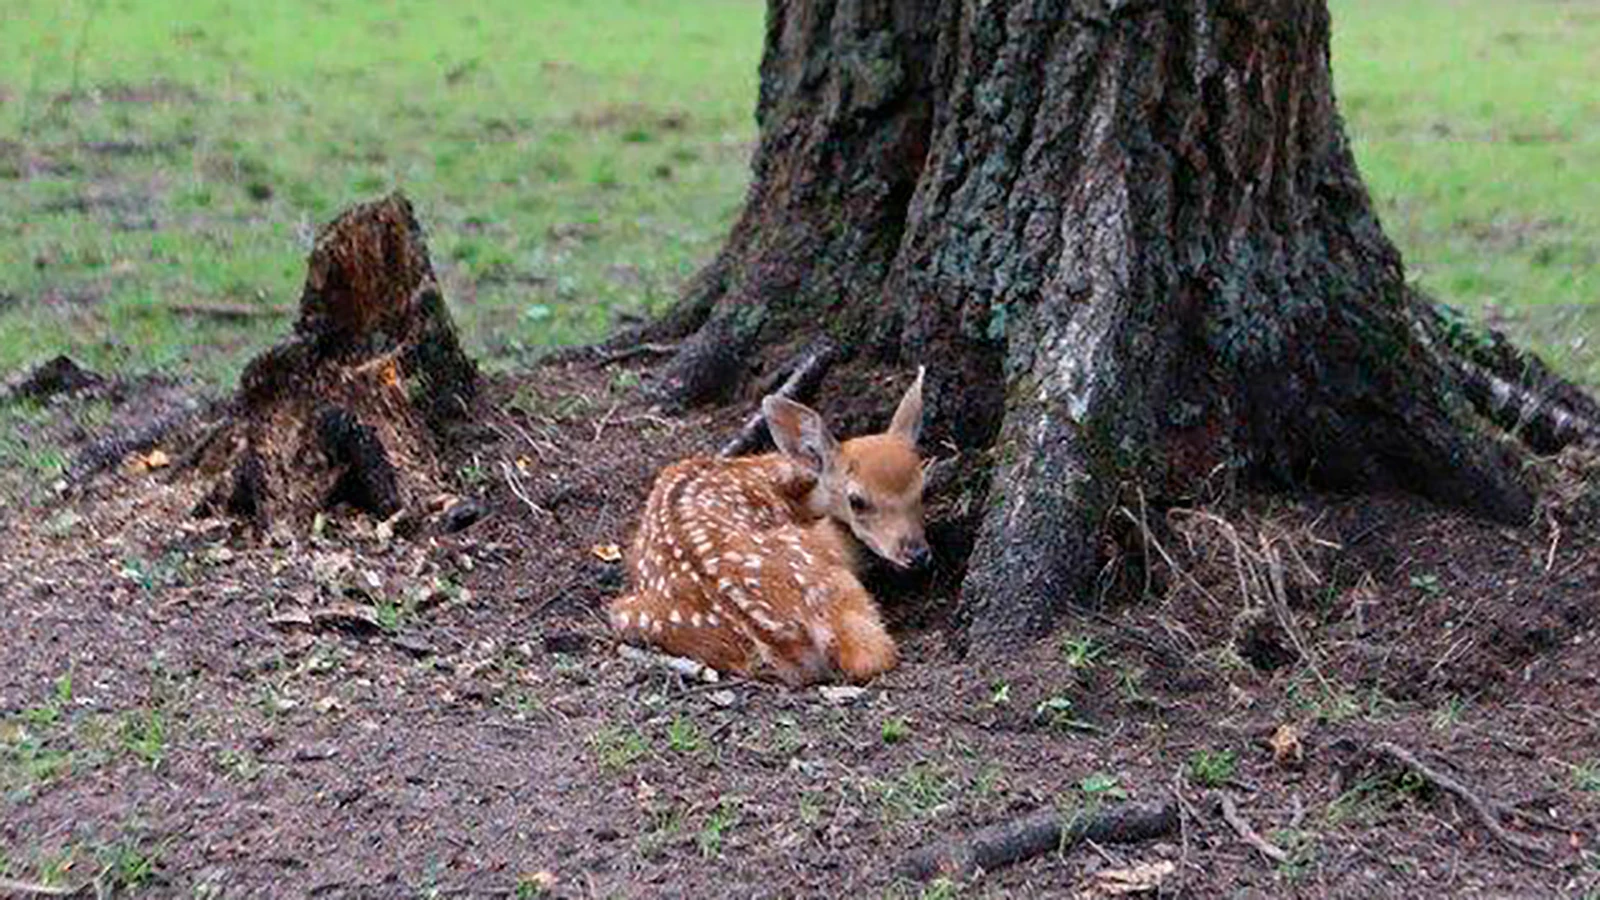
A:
{"x":748,"y":565}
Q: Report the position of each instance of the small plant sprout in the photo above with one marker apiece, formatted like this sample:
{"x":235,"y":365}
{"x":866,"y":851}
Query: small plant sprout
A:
{"x":1586,"y":776}
{"x":618,"y":748}
{"x":1081,"y":652}
{"x":1428,"y":583}
{"x":895,"y":730}
{"x":683,"y":737}
{"x":1000,"y":693}
{"x":721,"y":819}
{"x":1102,"y":785}
{"x":1212,"y":768}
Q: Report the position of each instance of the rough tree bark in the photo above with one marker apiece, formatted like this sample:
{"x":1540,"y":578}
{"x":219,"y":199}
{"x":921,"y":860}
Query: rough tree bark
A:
{"x":1130,"y":242}
{"x":350,"y":408}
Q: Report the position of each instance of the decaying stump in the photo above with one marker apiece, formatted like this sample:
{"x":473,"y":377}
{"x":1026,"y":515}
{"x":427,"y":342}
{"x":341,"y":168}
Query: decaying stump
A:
{"x":351,"y":408}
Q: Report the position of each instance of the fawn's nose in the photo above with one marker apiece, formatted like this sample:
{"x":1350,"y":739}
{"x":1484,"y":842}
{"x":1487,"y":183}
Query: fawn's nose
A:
{"x":918,"y":556}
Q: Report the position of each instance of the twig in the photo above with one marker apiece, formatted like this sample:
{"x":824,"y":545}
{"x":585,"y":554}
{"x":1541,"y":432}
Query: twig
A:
{"x":1555,"y":541}
{"x":10,"y":887}
{"x":1477,"y":804}
{"x":600,"y":426}
{"x":1241,"y":827}
{"x":607,"y":357}
{"x":228,"y":311}
{"x":805,"y":377}
{"x":514,"y":483}
{"x":1035,"y":834}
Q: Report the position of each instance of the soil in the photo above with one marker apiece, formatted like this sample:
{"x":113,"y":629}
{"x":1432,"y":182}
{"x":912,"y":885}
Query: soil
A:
{"x":343,"y":712}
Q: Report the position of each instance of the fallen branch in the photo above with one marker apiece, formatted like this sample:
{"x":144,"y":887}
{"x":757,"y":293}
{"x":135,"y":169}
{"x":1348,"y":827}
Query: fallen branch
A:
{"x":228,"y":311}
{"x":1476,"y":803}
{"x":802,"y":381}
{"x":1241,"y":827}
{"x":1040,"y":832}
{"x":607,"y":357}
{"x":110,"y":449}
{"x":10,"y":887}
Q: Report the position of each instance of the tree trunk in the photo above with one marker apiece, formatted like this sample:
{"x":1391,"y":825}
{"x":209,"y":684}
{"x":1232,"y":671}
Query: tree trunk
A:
{"x":349,"y":409}
{"x":1131,"y":244}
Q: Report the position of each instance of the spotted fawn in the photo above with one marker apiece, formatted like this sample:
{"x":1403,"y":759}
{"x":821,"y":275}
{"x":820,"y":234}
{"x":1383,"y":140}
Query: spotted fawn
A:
{"x":750,"y":565}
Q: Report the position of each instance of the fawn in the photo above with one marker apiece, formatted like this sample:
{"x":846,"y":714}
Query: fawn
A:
{"x":749,"y":565}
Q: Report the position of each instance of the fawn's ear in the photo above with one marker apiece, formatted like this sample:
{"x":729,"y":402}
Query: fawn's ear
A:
{"x":800,"y":433}
{"x":908,"y":418}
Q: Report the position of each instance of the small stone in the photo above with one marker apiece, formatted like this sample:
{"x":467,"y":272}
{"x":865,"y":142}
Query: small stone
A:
{"x":841,"y":694}
{"x":723,"y":699}
{"x":462,"y":515}
{"x":315,"y":752}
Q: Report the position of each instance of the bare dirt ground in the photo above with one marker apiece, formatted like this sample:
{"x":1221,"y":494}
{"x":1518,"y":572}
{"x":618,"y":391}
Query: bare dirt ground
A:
{"x":346,"y":713}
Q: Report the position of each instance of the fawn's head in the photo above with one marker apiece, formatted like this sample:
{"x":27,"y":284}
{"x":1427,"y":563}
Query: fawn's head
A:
{"x":871,"y":484}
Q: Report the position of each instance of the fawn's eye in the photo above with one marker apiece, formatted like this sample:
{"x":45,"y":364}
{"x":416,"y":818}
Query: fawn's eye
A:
{"x":859,"y":503}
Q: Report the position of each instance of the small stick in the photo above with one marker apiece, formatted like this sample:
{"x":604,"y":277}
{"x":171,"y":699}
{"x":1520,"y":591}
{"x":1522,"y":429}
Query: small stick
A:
{"x":1477,"y":804}
{"x":1241,"y":827}
{"x":607,"y":357}
{"x":12,"y":888}
{"x":228,"y":311}
{"x":805,"y":377}
{"x":1035,"y":834}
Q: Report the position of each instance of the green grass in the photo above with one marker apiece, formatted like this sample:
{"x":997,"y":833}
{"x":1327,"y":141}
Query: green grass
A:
{"x":571,"y":161}
{"x":575,"y":162}
{"x":1477,"y":127}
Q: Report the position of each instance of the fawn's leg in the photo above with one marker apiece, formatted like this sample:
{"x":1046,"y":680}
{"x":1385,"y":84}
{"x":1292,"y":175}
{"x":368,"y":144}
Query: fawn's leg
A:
{"x":647,"y":619}
{"x":862,"y":647}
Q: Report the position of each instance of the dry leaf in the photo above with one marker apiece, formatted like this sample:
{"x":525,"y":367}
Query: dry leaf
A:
{"x":542,"y":879}
{"x":1285,"y":744}
{"x":1140,"y":879}
{"x":607,"y":552}
{"x":145,"y":462}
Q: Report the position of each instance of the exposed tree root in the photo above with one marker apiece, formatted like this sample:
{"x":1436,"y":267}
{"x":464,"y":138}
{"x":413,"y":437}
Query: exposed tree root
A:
{"x":1241,"y":827}
{"x":1021,"y":839}
{"x":110,"y":450}
{"x":806,"y":373}
{"x":1511,"y":387}
{"x":1480,"y":807}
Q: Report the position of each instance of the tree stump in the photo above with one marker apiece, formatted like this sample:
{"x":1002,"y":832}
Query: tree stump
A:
{"x":351,"y":409}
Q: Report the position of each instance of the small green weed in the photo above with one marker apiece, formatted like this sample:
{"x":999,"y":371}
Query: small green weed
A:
{"x":1212,"y":768}
{"x":618,"y":747}
{"x":1586,"y":776}
{"x":717,"y":824}
{"x":1428,"y":583}
{"x":917,"y":792}
{"x":1102,"y":785}
{"x":666,"y":827}
{"x":144,"y":734}
{"x":683,"y":737}
{"x":241,"y":765}
{"x":1081,"y":653}
{"x":129,"y":866}
{"x":895,"y":731}
{"x":1000,"y":693}
{"x":1058,"y":713}
{"x":1449,"y":713}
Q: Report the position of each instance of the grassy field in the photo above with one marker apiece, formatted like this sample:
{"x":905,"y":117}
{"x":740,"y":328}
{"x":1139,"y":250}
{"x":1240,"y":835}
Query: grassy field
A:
{"x":164,"y":164}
